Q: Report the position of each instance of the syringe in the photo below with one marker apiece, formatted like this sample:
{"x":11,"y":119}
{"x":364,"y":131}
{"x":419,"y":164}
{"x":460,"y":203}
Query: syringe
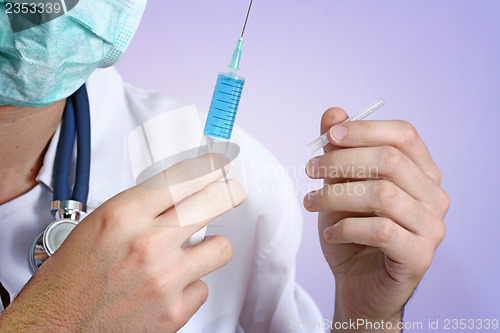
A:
{"x":225,"y":101}
{"x":226,"y":98}
{"x":222,"y":112}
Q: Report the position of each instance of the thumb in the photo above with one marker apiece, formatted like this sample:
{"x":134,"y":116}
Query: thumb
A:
{"x":331,"y":117}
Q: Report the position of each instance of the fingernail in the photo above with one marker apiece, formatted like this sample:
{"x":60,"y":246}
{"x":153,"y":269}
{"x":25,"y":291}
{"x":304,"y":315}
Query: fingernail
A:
{"x":313,"y":166}
{"x":328,"y":235}
{"x":309,"y":199}
{"x":338,"y":132}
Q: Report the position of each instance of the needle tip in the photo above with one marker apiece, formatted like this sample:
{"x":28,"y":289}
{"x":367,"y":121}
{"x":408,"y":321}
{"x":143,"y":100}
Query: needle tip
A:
{"x":246,"y":19}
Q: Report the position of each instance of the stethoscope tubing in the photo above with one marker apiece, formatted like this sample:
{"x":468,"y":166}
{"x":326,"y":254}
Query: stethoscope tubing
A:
{"x":64,"y":153}
{"x":76,"y":122}
{"x":82,"y":179}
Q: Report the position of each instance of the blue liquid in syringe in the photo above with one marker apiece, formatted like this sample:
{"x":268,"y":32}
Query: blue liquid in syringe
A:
{"x":224,"y":106}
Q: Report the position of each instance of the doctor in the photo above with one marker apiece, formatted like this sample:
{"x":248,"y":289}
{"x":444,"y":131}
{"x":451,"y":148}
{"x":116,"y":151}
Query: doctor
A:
{"x":123,"y":269}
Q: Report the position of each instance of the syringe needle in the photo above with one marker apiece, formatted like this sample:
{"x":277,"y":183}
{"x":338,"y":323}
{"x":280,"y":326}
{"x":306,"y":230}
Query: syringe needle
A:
{"x":246,"y":19}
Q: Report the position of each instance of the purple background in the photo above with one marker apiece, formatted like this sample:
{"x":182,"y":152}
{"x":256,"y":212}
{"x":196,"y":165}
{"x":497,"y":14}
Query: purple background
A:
{"x":437,"y":65}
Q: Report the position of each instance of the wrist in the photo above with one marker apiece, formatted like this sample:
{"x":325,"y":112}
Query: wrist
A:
{"x":348,"y":319}
{"x":38,"y":308}
{"x":29,"y":317}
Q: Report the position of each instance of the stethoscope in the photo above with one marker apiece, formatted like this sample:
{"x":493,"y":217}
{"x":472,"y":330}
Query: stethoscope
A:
{"x":67,"y":208}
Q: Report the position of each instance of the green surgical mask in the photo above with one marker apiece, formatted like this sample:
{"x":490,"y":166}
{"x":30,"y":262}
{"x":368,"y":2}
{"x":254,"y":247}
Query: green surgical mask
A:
{"x":45,"y":57}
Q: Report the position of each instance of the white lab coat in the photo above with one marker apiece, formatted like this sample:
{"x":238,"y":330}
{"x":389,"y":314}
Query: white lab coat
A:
{"x":256,"y":291}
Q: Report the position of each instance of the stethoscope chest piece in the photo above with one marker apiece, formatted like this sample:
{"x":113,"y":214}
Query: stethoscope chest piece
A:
{"x":68,"y":213}
{"x":56,"y":233}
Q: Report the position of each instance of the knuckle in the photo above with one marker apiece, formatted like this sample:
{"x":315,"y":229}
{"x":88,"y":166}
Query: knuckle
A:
{"x":156,"y":285}
{"x":437,"y":176}
{"x":386,"y":196}
{"x":329,"y":165}
{"x":410,"y":134}
{"x":113,"y":216}
{"x":444,"y":201}
{"x":217,"y":195}
{"x":143,"y":248}
{"x":342,"y":228}
{"x":225,"y":248}
{"x":385,"y":231}
{"x":364,"y":130}
{"x":391,"y":159}
{"x":202,"y":291}
{"x":237,"y":188}
{"x":186,"y":171}
{"x":175,"y":313}
{"x":423,"y":264}
{"x":439,"y":231}
{"x":159,"y":287}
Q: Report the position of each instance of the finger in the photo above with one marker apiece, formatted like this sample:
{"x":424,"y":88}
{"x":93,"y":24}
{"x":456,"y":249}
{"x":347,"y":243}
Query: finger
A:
{"x":376,"y":162}
{"x":378,"y":232}
{"x":381,"y":197}
{"x":332,"y":117}
{"x":395,"y":133}
{"x":173,"y":185}
{"x":194,"y":295}
{"x":195,"y":212}
{"x":206,"y":257}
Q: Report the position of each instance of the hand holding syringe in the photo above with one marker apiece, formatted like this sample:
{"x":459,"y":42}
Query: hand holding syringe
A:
{"x":222,"y":112}
{"x":322,"y":140}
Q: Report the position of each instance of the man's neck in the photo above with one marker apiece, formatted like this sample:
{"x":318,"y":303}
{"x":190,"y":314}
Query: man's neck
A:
{"x":24,"y":137}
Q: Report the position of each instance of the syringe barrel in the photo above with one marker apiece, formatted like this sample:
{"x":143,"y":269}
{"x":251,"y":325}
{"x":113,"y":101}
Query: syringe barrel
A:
{"x":225,"y":102}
